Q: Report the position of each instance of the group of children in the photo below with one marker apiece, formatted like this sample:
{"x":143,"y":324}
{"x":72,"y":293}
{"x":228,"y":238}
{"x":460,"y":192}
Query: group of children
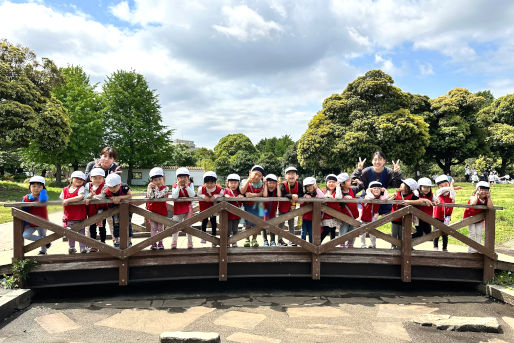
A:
{"x":411,"y":192}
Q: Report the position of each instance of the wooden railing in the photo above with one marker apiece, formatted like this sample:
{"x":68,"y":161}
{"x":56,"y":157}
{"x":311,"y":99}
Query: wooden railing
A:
{"x":121,"y":257}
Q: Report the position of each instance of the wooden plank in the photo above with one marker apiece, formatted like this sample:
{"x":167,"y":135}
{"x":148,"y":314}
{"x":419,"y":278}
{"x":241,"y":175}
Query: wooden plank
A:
{"x":316,"y":267}
{"x":223,"y":258}
{"x":385,"y":237}
{"x":79,"y":265}
{"x":406,"y":248}
{"x":66,"y":233}
{"x":77,"y":227}
{"x":174,"y":227}
{"x":18,"y":240}
{"x":124,"y":225}
{"x":341,"y":216}
{"x":316,"y":223}
{"x":452,"y":262}
{"x":124,"y":273}
{"x":452,"y":232}
{"x":489,"y":263}
{"x":269,"y":225}
{"x":332,"y":244}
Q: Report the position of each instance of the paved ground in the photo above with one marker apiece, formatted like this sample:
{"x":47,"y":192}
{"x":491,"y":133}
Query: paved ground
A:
{"x":288,"y":311}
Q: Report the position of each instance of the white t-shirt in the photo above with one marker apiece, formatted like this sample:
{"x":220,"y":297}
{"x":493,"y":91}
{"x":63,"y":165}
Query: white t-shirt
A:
{"x":71,"y":190}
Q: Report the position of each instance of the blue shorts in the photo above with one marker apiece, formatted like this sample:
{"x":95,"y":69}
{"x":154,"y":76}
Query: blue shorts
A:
{"x":252,"y":209}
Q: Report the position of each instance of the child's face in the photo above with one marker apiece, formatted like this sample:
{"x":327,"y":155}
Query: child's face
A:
{"x":256,"y":176}
{"x":158,"y":181}
{"x":271,"y":185}
{"x":404,"y":188}
{"x":76,"y":182}
{"x":115,"y":189}
{"x":291,"y":176}
{"x":310,"y":188}
{"x":182,"y":178}
{"x":331,"y":184}
{"x":376,"y":191}
{"x":36,"y":188}
{"x":443,"y":184}
{"x":97,"y":180}
{"x":347,"y":184}
{"x":233,"y":184}
{"x":482,"y":192}
{"x":426,"y":189}
{"x":210,"y":184}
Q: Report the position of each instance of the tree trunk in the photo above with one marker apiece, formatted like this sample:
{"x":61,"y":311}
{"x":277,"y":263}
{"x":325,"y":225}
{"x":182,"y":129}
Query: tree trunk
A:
{"x":129,"y":175}
{"x":75,"y":166}
{"x":43,"y":173}
{"x":2,"y":172}
{"x":503,"y":167}
{"x":58,"y":172}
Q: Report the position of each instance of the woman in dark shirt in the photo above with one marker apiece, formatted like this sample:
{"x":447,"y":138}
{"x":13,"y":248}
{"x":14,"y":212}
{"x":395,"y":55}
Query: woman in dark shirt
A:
{"x":106,"y":162}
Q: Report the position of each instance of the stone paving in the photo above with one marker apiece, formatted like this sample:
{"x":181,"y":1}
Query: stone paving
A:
{"x":262,"y":317}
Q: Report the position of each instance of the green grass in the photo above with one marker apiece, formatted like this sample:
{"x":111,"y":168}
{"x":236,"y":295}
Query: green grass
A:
{"x":14,"y":192}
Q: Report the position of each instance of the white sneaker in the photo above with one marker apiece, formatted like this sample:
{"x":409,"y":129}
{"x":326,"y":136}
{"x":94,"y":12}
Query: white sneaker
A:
{"x":202,"y":241}
{"x":234,"y":245}
{"x":436,"y":249}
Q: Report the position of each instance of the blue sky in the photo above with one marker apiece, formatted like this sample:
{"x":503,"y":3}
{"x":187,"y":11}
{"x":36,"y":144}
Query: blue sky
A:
{"x":263,"y":68}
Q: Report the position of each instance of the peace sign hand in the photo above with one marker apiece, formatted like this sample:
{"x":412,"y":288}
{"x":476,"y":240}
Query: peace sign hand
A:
{"x":117,"y":171}
{"x":97,"y":162}
{"x":360,"y":165}
{"x":396,"y":166}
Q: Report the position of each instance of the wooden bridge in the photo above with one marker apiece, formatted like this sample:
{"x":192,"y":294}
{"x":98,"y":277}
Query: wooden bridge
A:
{"x":316,"y":260}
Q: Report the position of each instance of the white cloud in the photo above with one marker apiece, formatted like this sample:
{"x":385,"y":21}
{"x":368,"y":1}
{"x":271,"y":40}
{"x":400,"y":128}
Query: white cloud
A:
{"x":426,"y":69}
{"x":246,"y":25}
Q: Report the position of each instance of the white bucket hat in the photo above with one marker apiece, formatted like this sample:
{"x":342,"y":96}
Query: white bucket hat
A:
{"x":288,"y":169}
{"x":97,"y":172}
{"x":309,"y":181}
{"x":425,"y":181}
{"x":271,"y":177}
{"x":182,"y":171}
{"x":211,"y":174}
{"x":157,"y":171}
{"x":233,"y":177}
{"x":112,"y":180}
{"x":374,"y":184}
{"x":483,"y":184}
{"x":441,"y":179}
{"x":36,"y":178}
{"x":79,"y":175}
{"x":342,"y":177}
{"x":413,"y":185}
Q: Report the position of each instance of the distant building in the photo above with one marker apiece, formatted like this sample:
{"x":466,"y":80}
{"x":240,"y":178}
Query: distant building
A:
{"x":190,"y":144}
{"x":140,"y":176}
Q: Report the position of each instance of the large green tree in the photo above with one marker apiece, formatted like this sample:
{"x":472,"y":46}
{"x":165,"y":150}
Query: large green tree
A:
{"x":274,"y":145}
{"x":133,"y":123}
{"x":85,"y":109}
{"x":232,"y":143}
{"x":370,"y":114}
{"x":182,"y":155}
{"x":498,"y":121}
{"x":29,"y":114}
{"x":455,"y":134}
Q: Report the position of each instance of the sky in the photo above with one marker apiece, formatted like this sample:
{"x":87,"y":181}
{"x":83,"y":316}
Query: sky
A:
{"x":263,"y":68}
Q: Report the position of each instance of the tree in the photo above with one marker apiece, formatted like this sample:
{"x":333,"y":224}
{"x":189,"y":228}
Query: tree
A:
{"x":205,"y":158}
{"x":487,"y":95}
{"x":27,"y":104}
{"x":290,"y":158}
{"x":242,"y":162}
{"x":270,"y":163}
{"x":183,"y":156}
{"x":455,"y":134}
{"x":498,"y":121}
{"x":276,"y":146}
{"x":231,"y":144}
{"x":222,"y":166}
{"x":133,"y":123}
{"x":84,"y":107}
{"x":371,"y":114}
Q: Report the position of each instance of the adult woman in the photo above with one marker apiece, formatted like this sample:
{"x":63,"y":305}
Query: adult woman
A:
{"x":106,"y":162}
{"x":379,"y":172}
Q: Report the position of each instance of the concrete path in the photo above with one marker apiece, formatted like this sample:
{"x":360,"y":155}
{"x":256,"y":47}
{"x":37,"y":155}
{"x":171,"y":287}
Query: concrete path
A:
{"x":258,"y":316}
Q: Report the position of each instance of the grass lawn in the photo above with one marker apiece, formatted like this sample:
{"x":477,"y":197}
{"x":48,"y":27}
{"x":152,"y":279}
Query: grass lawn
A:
{"x":14,"y":192}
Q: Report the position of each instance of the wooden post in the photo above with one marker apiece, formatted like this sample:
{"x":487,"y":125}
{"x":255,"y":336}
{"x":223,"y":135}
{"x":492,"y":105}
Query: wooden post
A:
{"x":316,"y":239}
{"x":18,"y":242}
{"x":489,"y":263}
{"x":223,"y":245}
{"x":406,"y":248}
{"x":124,"y":237}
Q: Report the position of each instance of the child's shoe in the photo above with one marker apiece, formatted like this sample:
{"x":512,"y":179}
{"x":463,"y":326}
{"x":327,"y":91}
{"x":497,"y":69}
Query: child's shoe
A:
{"x":160,"y":246}
{"x":41,"y":252}
{"x":190,"y":245}
{"x":273,"y":244}
{"x":445,"y":250}
{"x":342,"y":245}
{"x":436,"y":249}
{"x":372,"y":247}
{"x":247,"y":243}
{"x":234,"y":245}
{"x":174,"y":245}
{"x":153,"y":247}
{"x":282,"y":243}
{"x":72,"y":250}
{"x":130,"y":244}
{"x":214,"y":245}
{"x":291,"y":244}
{"x":93,"y":249}
{"x":84,"y":251}
{"x":255,"y":244}
{"x":117,"y":245}
{"x":202,"y":241}
{"x":350,"y":245}
{"x":266,"y":244}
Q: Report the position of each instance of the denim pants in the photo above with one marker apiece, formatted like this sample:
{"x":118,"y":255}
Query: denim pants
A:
{"x":307,"y":229}
{"x":345,"y":228}
{"x":116,"y":224}
{"x":28,"y":233}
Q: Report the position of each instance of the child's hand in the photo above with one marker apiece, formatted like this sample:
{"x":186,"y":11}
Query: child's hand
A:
{"x":240,"y":196}
{"x":357,"y":182}
{"x":88,"y":201}
{"x":307,"y":196}
{"x":347,"y":197}
{"x":65,"y":202}
{"x":294,"y":197}
{"x":427,"y":202}
{"x":116,"y":200}
{"x":279,"y":180}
